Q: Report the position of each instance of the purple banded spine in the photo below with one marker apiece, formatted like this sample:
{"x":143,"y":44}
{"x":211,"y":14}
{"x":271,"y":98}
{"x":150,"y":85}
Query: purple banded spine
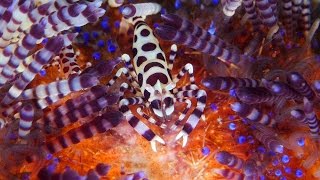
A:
{"x":287,"y":16}
{"x":12,"y":109}
{"x":63,"y":87}
{"x":35,"y":15}
{"x":140,"y":9}
{"x":269,"y":141}
{"x":298,"y":83}
{"x":232,"y":161}
{"x":311,"y":117}
{"x":229,"y":174}
{"x":4,"y":5}
{"x":250,"y":8}
{"x":44,"y":103}
{"x":182,"y":24}
{"x":53,"y":46}
{"x":18,"y":15}
{"x":316,"y":85}
{"x":253,"y":114}
{"x":266,"y":13}
{"x":26,"y":118}
{"x":255,"y":95}
{"x":48,"y":172}
{"x":6,"y":54}
{"x":71,"y":104}
{"x":282,"y":89}
{"x":83,"y":111}
{"x":180,"y":37}
{"x":306,"y":16}
{"x":99,"y":124}
{"x":21,"y":52}
{"x":299,"y":115}
{"x":228,"y":83}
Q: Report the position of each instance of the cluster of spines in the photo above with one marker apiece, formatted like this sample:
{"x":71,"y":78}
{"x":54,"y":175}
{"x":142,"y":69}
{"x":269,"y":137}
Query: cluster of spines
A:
{"x":182,"y":31}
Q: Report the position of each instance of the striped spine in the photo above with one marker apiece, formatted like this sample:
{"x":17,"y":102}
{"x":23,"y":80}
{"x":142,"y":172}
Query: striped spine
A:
{"x":63,"y":87}
{"x":232,"y":161}
{"x":21,"y":52}
{"x":180,"y":37}
{"x":250,"y":8}
{"x":99,"y":124}
{"x":311,"y":117}
{"x":282,"y":89}
{"x":18,"y":15}
{"x":34,"y":16}
{"x":298,"y":83}
{"x":253,"y":114}
{"x":299,"y":115}
{"x":182,"y":24}
{"x":53,"y":46}
{"x":26,"y":118}
{"x":271,"y":142}
{"x":115,"y":3}
{"x":228,"y":174}
{"x":255,"y":95}
{"x":83,"y":111}
{"x":228,"y":83}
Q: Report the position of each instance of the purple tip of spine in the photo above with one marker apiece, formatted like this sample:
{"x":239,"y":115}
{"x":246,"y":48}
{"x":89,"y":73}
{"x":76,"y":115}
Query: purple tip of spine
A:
{"x":43,"y":9}
{"x":295,"y":76}
{"x":75,"y":9}
{"x":236,"y":106}
{"x":166,"y":32}
{"x":6,"y":3}
{"x":37,"y":31}
{"x":128,"y":10}
{"x":70,"y":174}
{"x":113,"y":117}
{"x":317,"y":85}
{"x":88,"y":81}
{"x":55,"y":44}
{"x":102,"y":169}
{"x":212,"y":83}
{"x":276,"y":88}
{"x":172,"y":20}
{"x":24,"y":8}
{"x":223,"y":157}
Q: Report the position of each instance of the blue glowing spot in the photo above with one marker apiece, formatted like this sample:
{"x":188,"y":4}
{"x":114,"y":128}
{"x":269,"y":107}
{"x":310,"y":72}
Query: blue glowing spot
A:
{"x":49,"y":156}
{"x":299,"y":173}
{"x":96,"y":55}
{"x":283,"y":178}
{"x":262,"y":177}
{"x":250,"y":139}
{"x":317,"y":57}
{"x":77,"y":29}
{"x":205,"y":151}
{"x":232,"y":93}
{"x":43,"y":72}
{"x":282,"y":32}
{"x":86,"y":36}
{"x":212,"y":29}
{"x":111,"y":47}
{"x":44,"y":41}
{"x":177,"y":4}
{"x":163,"y":11}
{"x":95,"y":34}
{"x":278,"y":172}
{"x":289,"y":46}
{"x":198,"y":2}
{"x":261,"y":149}
{"x":155,"y":25}
{"x":51,"y":168}
{"x":215,"y":2}
{"x":231,"y":117}
{"x":117,"y":24}
{"x":214,"y":107}
{"x":101,"y":43}
{"x":104,"y":24}
{"x":232,"y":126}
{"x":241,"y":139}
{"x":287,"y":170}
{"x":275,"y":162}
{"x":25,"y":176}
{"x":301,"y":142}
{"x":285,"y":159}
